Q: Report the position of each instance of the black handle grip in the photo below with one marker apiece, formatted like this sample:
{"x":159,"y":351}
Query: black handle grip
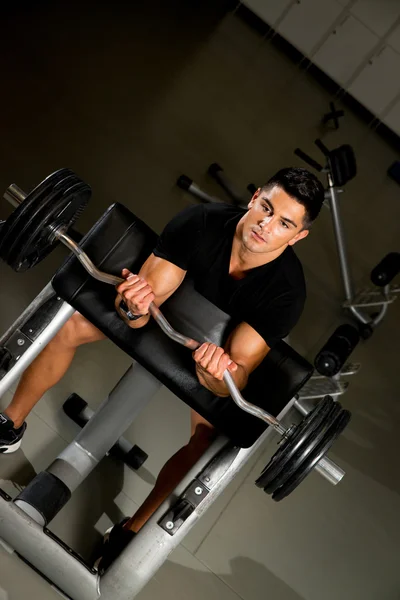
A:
{"x":320,"y":144}
{"x":310,"y":161}
{"x":386,"y":270}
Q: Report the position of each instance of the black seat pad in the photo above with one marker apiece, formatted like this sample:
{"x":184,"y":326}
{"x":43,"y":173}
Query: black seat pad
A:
{"x":343,"y":164}
{"x":118,"y":240}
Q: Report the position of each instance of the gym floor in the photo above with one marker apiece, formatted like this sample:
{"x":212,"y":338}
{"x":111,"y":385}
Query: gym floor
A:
{"x":130,"y":98}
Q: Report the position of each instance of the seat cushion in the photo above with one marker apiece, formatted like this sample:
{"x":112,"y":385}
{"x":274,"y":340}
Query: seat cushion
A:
{"x":343,"y":164}
{"x":118,"y":240}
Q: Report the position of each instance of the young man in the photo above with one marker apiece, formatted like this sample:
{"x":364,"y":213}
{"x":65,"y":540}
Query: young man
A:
{"x":243,"y":262}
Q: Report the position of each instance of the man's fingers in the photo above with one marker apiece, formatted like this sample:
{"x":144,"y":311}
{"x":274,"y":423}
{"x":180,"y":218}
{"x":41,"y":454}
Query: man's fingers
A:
{"x":224,"y":363}
{"x":214,"y":360}
{"x":130,"y":279}
{"x":204,"y":353}
{"x":137,"y":291}
{"x":214,"y":363}
{"x":207,"y":356}
{"x":201,"y":350}
{"x":144,"y":304}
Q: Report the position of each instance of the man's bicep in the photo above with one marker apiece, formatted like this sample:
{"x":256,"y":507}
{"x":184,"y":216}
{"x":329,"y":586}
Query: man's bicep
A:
{"x":163,"y":276}
{"x":246,"y":347}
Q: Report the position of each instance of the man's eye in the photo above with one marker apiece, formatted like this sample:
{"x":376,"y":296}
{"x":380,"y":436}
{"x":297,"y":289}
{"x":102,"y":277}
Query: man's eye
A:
{"x":284,"y":224}
{"x":266,"y":208}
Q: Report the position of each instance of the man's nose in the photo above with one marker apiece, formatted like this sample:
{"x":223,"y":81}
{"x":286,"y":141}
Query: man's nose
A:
{"x":265,"y":222}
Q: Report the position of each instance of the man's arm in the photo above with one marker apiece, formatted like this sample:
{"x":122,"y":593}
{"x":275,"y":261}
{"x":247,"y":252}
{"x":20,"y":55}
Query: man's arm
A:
{"x":244,"y":350}
{"x":156,"y":281}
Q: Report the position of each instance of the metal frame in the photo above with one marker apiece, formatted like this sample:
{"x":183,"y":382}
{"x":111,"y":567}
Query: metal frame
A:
{"x":23,"y":525}
{"x":351,"y":303}
{"x":23,"y":521}
{"x":148,"y":550}
{"x":319,"y":386}
{"x":35,"y":347}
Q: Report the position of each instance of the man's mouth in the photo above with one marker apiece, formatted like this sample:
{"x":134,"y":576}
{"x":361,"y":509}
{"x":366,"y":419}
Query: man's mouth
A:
{"x":257,"y":237}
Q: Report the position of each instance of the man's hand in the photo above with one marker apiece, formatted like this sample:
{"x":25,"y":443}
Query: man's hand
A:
{"x":211,"y":364}
{"x":244,"y":350}
{"x":135,"y":292}
{"x":213,"y":360}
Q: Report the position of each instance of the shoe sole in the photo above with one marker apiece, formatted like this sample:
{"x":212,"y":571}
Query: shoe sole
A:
{"x":106,"y":538}
{"x":11,"y":448}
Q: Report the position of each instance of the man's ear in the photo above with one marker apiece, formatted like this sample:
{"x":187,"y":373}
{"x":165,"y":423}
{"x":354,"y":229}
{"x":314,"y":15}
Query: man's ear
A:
{"x":254,"y":198}
{"x":300,"y":236}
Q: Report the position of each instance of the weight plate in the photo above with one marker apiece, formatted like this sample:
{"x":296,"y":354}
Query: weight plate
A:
{"x":306,"y":449}
{"x":294,"y":442}
{"x":37,"y":208}
{"x":60,"y":209}
{"x":19,"y":215}
{"x":332,"y":434}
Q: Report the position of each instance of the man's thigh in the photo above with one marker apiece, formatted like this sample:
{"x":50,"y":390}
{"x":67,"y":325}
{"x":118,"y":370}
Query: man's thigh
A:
{"x":200,"y":424}
{"x":81,"y":331}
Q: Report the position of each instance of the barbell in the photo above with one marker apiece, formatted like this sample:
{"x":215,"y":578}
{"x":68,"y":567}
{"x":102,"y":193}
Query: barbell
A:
{"x":41,"y":220}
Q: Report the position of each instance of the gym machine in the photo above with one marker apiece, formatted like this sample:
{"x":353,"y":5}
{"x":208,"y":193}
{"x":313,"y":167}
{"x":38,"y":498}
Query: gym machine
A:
{"x":369,"y":305}
{"x":42,"y":219}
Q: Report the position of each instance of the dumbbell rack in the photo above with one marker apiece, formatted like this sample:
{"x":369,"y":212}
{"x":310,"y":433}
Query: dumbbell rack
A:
{"x":370,"y":296}
{"x":319,"y":386}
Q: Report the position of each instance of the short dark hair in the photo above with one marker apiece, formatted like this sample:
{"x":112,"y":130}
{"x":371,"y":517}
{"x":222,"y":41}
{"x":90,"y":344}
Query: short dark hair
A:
{"x":303,"y":186}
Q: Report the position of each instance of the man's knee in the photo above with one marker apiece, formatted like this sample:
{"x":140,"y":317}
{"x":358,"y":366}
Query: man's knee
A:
{"x":77,"y":331}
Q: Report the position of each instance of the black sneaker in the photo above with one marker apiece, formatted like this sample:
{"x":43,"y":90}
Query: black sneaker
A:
{"x":115,"y":540}
{"x":10,"y":438}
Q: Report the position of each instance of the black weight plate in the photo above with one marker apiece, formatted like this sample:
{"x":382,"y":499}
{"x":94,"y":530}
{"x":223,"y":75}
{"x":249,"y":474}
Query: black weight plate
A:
{"x":301,"y":456}
{"x":35,"y":196}
{"x":332,"y":434}
{"x":60,"y":209}
{"x":35,"y":214}
{"x":40,"y":191}
{"x":293,"y":443}
{"x":33,"y":218}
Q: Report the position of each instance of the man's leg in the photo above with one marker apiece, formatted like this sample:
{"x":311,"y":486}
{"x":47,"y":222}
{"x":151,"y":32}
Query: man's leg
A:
{"x":50,"y":365}
{"x":202,"y":435}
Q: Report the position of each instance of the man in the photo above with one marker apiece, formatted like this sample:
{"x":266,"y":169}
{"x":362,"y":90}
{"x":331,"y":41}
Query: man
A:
{"x":243,"y":262}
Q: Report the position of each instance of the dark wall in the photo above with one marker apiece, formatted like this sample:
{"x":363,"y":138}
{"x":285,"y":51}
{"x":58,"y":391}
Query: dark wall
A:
{"x":79,"y":79}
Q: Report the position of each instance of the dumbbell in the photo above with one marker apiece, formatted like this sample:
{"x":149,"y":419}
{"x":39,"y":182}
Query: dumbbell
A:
{"x":333,"y":355}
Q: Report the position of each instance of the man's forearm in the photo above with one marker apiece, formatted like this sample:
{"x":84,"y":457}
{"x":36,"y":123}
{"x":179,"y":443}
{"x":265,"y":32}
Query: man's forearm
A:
{"x":218,"y":387}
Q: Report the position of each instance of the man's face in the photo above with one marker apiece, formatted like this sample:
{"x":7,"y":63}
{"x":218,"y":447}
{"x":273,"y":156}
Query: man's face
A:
{"x":274,"y":220}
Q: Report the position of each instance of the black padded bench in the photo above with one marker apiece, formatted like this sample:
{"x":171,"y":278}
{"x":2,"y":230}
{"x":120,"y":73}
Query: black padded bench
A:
{"x":119,"y":239}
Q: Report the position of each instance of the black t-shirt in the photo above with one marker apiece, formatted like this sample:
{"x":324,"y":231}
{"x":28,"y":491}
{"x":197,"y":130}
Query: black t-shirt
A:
{"x":270,"y":298}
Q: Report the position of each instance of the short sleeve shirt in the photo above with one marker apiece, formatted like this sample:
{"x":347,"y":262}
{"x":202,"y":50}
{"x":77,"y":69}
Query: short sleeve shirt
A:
{"x":270,"y":297}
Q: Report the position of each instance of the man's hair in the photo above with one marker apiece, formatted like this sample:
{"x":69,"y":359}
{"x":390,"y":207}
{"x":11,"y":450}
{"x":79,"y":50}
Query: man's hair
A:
{"x":303,"y":186}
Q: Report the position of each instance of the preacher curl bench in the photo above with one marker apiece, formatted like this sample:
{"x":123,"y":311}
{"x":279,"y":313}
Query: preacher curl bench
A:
{"x":118,"y":240}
